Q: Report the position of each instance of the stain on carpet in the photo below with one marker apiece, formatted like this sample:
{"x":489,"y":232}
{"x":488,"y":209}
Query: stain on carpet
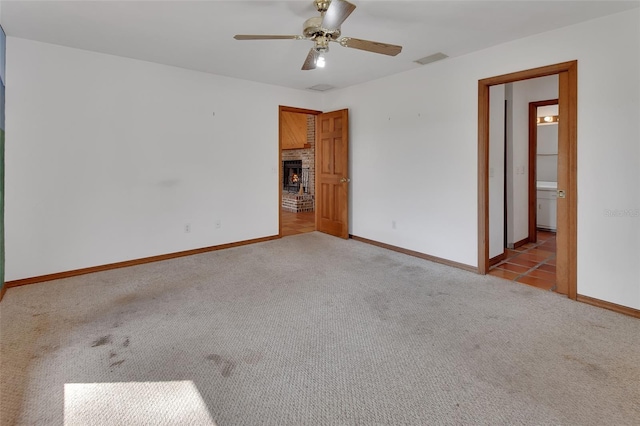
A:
{"x":592,"y":370}
{"x":30,"y":342}
{"x":379,"y":303}
{"x":225,"y":366}
{"x":117,"y":363}
{"x":104,"y":340}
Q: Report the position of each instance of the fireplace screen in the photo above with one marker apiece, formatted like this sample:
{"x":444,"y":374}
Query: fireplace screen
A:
{"x":294,"y":176}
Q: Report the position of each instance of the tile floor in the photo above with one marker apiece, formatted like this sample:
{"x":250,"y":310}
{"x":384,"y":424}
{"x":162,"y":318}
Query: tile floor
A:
{"x":533,"y":263}
{"x":297,"y":223}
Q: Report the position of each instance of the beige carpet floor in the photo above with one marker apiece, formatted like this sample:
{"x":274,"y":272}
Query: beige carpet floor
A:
{"x":311,"y":330}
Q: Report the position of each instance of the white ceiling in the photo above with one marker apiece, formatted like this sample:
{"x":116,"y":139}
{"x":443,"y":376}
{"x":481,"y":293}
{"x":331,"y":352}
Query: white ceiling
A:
{"x":198,"y":35}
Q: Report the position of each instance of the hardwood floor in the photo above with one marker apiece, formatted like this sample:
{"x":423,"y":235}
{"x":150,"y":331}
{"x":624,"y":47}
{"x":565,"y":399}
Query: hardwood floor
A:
{"x":533,"y":263}
{"x":297,"y":223}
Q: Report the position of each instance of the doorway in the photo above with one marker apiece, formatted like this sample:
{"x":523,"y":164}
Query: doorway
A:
{"x":519,"y":250}
{"x":566,"y":237}
{"x":543,"y":166}
{"x":297,"y":145}
{"x":314,"y":168}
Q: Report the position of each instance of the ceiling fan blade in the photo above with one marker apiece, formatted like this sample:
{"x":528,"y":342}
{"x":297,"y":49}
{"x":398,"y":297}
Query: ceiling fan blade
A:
{"x":310,"y":62}
{"x":338,"y":11}
{"x":265,"y":37}
{"x":371,"y":46}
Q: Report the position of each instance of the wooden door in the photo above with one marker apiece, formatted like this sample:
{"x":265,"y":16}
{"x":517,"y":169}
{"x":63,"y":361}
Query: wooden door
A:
{"x":332,"y":173}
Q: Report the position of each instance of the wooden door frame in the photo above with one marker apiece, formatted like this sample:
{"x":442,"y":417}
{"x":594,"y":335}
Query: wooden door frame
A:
{"x":567,"y":168}
{"x":533,"y":165}
{"x":281,"y":109}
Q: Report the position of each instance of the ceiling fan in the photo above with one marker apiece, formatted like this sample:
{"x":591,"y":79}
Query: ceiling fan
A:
{"x":326,"y":28}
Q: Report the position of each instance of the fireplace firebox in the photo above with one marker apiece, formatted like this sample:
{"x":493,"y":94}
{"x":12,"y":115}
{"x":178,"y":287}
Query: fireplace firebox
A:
{"x":291,"y":175}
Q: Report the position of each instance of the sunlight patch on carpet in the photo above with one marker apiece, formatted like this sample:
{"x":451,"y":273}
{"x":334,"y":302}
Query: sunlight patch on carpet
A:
{"x":135,"y":403}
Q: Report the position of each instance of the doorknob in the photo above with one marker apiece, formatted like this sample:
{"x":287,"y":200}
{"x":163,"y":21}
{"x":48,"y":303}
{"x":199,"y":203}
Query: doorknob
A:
{"x":343,"y":180}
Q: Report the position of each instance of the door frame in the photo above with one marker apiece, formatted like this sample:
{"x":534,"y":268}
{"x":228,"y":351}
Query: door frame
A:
{"x":566,"y":237}
{"x":533,"y":165}
{"x":281,"y":109}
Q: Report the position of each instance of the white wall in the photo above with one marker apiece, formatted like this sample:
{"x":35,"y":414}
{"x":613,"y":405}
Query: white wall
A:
{"x":414,"y":150}
{"x":413,"y":160}
{"x":523,"y":92}
{"x":107,"y":158}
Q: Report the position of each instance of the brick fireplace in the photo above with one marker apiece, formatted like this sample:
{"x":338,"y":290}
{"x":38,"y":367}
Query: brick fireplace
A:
{"x":297,"y":203}
{"x":298,"y":174}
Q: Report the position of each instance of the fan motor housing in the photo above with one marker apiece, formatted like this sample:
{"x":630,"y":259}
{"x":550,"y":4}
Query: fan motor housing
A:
{"x":312,"y":28}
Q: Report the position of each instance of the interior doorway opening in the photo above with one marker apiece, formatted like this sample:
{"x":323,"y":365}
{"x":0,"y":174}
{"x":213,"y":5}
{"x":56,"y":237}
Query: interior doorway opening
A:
{"x":327,"y":174}
{"x":543,"y":160}
{"x":297,"y":171}
{"x":566,"y":237}
{"x":523,"y":181}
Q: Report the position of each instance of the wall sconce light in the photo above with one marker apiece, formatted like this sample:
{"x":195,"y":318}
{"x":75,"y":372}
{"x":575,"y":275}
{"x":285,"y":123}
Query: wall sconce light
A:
{"x":549,"y":119}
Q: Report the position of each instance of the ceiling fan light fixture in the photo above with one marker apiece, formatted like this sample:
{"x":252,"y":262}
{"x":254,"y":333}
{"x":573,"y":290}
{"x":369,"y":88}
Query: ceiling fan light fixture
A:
{"x":323,"y":29}
{"x":322,"y":44}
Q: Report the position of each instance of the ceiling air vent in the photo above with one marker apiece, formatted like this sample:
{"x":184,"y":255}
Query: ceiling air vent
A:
{"x":431,"y":58}
{"x":321,"y":87}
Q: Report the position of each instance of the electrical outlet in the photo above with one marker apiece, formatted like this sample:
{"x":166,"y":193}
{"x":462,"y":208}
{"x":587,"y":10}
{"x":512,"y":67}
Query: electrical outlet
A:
{"x":187,"y":228}
{"x":218,"y":224}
